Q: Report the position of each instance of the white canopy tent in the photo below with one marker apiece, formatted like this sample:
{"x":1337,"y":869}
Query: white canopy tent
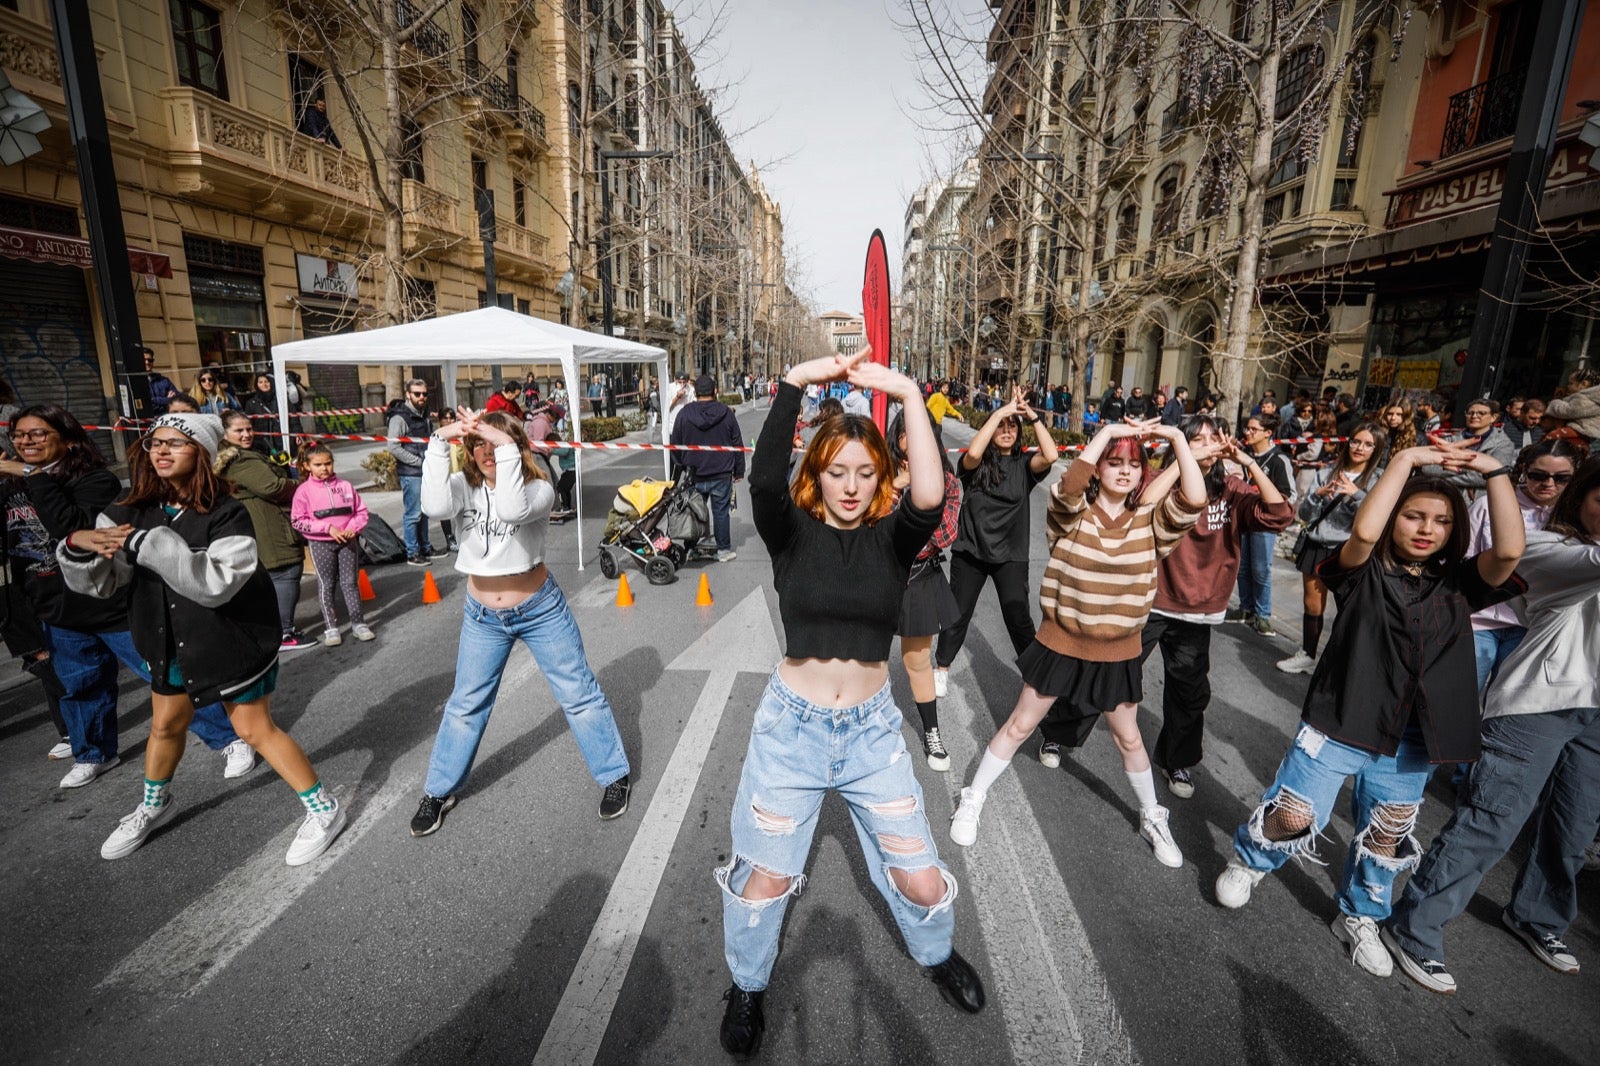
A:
{"x":490,"y":336}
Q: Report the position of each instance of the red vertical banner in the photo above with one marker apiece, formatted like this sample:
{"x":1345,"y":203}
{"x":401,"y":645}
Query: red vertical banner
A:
{"x":875,"y":313}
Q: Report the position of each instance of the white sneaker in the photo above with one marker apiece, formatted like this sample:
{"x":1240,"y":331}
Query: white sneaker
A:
{"x":1153,"y":827}
{"x":1366,"y":950}
{"x":362,"y":631}
{"x":331,"y":638}
{"x":131,"y":831}
{"x":1298,"y":663}
{"x":964,"y":823}
{"x":84,"y":772}
{"x":241,"y":759}
{"x":1049,"y":754}
{"x":1235,"y":883}
{"x":941,"y":683}
{"x":62,"y":750}
{"x":727,"y":555}
{"x":316,"y":833}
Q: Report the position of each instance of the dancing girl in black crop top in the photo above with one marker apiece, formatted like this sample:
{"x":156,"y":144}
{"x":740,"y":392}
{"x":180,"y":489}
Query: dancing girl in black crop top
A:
{"x":841,"y":553}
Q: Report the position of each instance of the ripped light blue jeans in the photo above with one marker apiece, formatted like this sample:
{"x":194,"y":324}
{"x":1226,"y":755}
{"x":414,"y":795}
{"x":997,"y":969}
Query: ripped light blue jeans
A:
{"x":798,"y":752}
{"x":1384,"y":802}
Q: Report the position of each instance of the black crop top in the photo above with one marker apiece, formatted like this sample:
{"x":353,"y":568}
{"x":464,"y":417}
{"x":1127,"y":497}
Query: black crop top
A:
{"x":839,"y":590}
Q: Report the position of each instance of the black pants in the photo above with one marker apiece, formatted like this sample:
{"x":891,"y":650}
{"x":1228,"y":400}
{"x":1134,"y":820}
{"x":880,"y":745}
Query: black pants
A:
{"x":1186,"y":692}
{"x":967,"y":575}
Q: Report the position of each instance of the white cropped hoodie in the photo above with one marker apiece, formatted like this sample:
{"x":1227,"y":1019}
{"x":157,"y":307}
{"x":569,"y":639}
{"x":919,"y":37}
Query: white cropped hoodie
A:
{"x":500,"y":530}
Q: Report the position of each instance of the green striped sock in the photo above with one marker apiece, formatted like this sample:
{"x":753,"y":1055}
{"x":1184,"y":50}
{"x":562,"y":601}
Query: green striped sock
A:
{"x":317,"y":799}
{"x":155,"y":793}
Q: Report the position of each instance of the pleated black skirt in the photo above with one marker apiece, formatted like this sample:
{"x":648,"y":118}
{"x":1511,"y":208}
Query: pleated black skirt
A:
{"x":1086,"y":687}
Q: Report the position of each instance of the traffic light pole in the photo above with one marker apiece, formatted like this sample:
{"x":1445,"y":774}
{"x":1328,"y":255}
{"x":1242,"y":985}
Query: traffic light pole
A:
{"x":102,"y":208}
{"x":1555,"y":40}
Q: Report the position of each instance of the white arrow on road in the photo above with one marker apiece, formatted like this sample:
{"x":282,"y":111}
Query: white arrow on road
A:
{"x":743,"y":641}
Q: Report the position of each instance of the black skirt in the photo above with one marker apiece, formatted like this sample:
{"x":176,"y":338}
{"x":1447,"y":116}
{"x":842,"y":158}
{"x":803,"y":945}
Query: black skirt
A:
{"x":1314,"y":556}
{"x":1085,"y":687}
{"x":928,"y":606}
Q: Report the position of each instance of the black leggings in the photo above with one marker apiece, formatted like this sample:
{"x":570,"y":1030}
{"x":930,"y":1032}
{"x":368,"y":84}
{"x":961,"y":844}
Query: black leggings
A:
{"x":967,"y":575}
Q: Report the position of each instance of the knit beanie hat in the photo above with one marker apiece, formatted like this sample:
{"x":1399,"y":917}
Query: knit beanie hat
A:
{"x":204,"y":430}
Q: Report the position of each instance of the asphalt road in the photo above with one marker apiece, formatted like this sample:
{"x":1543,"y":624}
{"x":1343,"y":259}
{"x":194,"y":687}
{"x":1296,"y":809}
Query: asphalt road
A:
{"x":528,"y":931}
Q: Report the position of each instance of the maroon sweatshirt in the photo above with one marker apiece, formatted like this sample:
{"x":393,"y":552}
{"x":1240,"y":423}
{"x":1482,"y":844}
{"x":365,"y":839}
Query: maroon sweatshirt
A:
{"x":1201,"y":571}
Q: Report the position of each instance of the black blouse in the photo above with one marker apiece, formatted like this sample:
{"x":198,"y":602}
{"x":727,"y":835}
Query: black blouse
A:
{"x":995,"y":521}
{"x":839,"y":590}
{"x":1401,"y":647}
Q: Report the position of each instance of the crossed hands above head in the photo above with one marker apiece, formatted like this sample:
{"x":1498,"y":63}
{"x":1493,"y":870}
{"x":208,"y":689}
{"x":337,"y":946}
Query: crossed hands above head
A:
{"x":1142,"y":428}
{"x":1454,"y":456}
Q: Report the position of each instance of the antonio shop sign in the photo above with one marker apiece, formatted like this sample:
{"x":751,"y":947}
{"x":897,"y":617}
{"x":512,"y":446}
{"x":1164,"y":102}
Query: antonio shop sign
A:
{"x":326,"y":277}
{"x":1450,"y":195}
{"x":36,"y":247}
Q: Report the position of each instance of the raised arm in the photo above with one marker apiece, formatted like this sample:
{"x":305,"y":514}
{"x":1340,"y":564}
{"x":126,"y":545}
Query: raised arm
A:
{"x":980,"y":440}
{"x":1191,"y":482}
{"x":922,"y":448}
{"x":1049,"y":451}
{"x":1506,"y":529}
{"x":1372,"y":517}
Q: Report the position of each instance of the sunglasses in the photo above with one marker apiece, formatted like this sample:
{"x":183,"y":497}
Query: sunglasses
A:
{"x":1539,"y":477}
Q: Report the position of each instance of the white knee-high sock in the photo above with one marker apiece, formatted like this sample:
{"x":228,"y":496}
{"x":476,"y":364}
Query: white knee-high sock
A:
{"x":1144,"y":786}
{"x":989,"y":771}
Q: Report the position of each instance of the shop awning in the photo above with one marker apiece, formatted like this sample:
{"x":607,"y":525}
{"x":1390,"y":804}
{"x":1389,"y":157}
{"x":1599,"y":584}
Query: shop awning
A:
{"x":38,"y":247}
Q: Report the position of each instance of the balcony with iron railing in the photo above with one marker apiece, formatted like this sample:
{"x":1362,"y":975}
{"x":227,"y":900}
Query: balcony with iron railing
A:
{"x":491,"y":90}
{"x":614,"y":31}
{"x":429,"y":40}
{"x":527,"y":134}
{"x":601,"y":105}
{"x":1486,"y":112}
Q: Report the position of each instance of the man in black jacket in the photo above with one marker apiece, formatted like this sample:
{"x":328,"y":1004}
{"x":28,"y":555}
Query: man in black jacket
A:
{"x":707,"y":421}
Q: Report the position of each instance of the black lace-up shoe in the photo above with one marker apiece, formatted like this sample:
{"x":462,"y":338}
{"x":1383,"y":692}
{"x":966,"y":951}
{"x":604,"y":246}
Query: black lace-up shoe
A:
{"x":958,"y":983}
{"x":742,"y":1023}
{"x":430,"y":814}
{"x":614,"y":801}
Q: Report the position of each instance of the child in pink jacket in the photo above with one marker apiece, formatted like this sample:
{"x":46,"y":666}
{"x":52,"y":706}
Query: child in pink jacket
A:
{"x":329,"y":513}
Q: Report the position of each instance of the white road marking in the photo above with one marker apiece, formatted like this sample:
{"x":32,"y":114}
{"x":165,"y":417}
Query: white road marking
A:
{"x":742,"y":641}
{"x":1050,"y":987}
{"x":199,"y":942}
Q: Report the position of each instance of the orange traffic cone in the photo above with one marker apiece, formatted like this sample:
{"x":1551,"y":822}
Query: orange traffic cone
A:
{"x":430,"y":590}
{"x":624,"y":593}
{"x":364,"y":583}
{"x":703,"y":597}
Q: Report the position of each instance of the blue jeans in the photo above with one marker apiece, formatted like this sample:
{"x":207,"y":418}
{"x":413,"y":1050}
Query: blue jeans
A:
{"x":1385,"y":799}
{"x":545,"y":624}
{"x":1255,"y":573}
{"x":1493,"y":647}
{"x":799,"y":752}
{"x":718,"y":491}
{"x":86,"y":664}
{"x":414,"y":523}
{"x":1547,"y":765}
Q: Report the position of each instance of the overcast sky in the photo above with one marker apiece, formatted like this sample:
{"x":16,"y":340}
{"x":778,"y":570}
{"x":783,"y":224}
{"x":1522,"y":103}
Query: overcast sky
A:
{"x":816,"y":92}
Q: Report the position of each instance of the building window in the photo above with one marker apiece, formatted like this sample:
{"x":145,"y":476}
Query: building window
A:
{"x":480,"y":178}
{"x":519,"y":202}
{"x":1169,"y":205}
{"x":197,"y":38}
{"x":469,"y":40}
{"x":305,"y":86}
{"x":1242,"y":25}
{"x":1128,"y":229}
{"x":38,"y":216}
{"x":513,"y":79}
{"x":411,"y":149}
{"x":575,"y":109}
{"x":422,"y":299}
{"x":1300,"y":71}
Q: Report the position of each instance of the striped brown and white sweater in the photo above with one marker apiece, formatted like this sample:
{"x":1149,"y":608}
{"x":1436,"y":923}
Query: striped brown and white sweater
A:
{"x":1101,"y":578}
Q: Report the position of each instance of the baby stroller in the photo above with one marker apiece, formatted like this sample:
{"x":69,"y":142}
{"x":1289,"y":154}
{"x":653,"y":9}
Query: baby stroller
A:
{"x":658,"y":525}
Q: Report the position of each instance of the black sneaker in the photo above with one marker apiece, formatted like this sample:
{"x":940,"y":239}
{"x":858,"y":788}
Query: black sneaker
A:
{"x":958,"y":983}
{"x":938,"y":754}
{"x":614,"y":800}
{"x":416,"y":560}
{"x":430,"y":814}
{"x":742,"y":1023}
{"x":1181,"y":782}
